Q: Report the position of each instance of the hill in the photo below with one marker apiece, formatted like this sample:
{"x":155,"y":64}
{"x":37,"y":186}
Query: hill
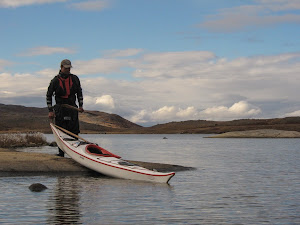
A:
{"x":217,"y":127}
{"x":16,"y":118}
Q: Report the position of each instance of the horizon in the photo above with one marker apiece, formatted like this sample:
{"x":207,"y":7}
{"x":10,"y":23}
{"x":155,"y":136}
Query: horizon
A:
{"x":167,"y":121}
{"x":153,"y":62}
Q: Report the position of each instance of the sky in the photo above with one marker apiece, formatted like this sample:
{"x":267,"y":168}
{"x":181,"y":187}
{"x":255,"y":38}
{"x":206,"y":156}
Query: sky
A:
{"x":157,"y":61}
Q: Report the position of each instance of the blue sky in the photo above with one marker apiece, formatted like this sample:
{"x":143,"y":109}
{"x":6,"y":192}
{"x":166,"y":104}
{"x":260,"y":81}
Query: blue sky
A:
{"x":154,"y":61}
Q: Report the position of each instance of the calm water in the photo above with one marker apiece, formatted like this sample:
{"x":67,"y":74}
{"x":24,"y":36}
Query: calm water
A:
{"x":237,"y":181}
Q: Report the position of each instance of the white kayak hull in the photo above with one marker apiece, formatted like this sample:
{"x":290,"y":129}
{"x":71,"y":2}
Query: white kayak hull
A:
{"x":108,"y":164}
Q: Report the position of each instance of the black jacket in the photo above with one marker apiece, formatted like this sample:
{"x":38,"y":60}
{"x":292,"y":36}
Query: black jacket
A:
{"x":59,"y":91}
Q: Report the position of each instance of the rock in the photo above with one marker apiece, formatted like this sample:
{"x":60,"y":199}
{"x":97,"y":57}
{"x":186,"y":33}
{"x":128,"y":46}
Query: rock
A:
{"x":37,"y":187}
{"x":53,"y":144}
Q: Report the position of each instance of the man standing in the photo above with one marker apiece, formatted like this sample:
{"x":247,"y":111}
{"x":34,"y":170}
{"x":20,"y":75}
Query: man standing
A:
{"x":66,"y":88}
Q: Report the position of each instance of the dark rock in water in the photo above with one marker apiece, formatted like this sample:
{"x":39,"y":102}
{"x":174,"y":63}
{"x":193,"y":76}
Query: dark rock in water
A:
{"x":37,"y":187}
{"x":53,"y":144}
{"x":165,"y":138}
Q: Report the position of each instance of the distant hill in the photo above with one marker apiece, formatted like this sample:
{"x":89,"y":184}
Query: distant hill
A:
{"x":16,"y":118}
{"x":217,"y":127}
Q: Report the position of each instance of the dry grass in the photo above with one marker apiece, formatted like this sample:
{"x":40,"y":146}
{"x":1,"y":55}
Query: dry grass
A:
{"x":22,"y":140}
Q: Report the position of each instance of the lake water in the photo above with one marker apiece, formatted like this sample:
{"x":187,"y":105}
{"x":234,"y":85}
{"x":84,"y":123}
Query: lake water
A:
{"x":236,"y":181}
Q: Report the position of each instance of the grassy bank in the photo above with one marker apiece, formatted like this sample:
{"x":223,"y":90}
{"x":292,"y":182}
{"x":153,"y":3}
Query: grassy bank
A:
{"x":22,"y":140}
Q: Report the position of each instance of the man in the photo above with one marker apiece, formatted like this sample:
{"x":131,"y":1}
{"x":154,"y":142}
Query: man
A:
{"x":66,"y":88}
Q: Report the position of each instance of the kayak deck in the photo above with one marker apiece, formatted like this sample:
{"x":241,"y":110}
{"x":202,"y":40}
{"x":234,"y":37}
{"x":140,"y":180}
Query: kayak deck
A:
{"x":99,"y":159}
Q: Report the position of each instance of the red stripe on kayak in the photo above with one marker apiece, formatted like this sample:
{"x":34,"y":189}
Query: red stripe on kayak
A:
{"x":108,"y":164}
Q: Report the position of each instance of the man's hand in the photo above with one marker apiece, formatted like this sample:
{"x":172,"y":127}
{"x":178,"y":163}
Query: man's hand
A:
{"x":81,"y":109}
{"x":51,"y":115}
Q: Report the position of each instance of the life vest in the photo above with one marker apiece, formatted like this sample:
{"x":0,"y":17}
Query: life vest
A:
{"x":66,"y":85}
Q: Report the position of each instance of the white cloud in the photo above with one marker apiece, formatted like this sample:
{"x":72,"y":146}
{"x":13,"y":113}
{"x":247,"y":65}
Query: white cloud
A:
{"x":19,"y":3}
{"x":97,"y":5}
{"x":218,"y":89}
{"x":172,"y":64}
{"x":165,"y":114}
{"x":21,"y":84}
{"x":189,"y":112}
{"x":100,"y":65}
{"x":140,"y":117}
{"x":46,"y":50}
{"x":240,"y":109}
{"x":259,"y":14}
{"x":295,"y":113}
{"x":105,"y":101}
{"x":4,"y":63}
{"x":123,"y":53}
{"x":47,"y":73}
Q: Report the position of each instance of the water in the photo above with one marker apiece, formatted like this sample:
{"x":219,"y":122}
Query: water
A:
{"x":236,"y":181}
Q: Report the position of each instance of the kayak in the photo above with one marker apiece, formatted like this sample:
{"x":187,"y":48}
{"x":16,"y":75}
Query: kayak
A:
{"x":100,"y":160}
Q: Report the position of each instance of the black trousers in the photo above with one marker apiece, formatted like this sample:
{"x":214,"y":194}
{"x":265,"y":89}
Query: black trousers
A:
{"x":68,"y":119}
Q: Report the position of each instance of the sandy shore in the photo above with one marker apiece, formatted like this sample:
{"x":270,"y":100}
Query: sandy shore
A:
{"x":24,"y":162}
{"x":263,"y":133}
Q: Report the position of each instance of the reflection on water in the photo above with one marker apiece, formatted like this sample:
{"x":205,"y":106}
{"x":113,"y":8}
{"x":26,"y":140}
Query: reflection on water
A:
{"x":64,"y":202}
{"x":237,"y":181}
{"x":88,"y":200}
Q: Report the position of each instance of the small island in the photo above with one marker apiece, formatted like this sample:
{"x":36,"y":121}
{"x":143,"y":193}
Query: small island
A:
{"x":262,"y":133}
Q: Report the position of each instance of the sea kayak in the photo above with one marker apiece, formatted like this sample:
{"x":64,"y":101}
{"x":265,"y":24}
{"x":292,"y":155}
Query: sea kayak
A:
{"x":100,"y":160}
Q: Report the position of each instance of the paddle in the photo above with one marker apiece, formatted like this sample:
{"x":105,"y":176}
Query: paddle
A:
{"x":70,"y":107}
{"x":70,"y":133}
{"x":75,"y":108}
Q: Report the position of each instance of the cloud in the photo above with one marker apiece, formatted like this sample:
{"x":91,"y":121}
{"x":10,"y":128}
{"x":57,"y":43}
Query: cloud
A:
{"x":240,"y":109}
{"x":21,"y":85}
{"x":192,"y":85}
{"x":172,"y":64}
{"x":106,"y":101}
{"x":170,"y":112}
{"x":96,"y":5}
{"x":5,"y":63}
{"x":19,"y":3}
{"x":123,"y":53}
{"x":187,"y":64}
{"x":91,"y":5}
{"x":100,"y":66}
{"x":46,"y":50}
{"x":165,"y":114}
{"x":263,"y":13}
{"x":113,"y":61}
{"x":292,"y":114}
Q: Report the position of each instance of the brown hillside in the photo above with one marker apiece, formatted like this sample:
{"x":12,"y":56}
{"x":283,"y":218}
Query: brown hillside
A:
{"x":15,"y":118}
{"x":207,"y":127}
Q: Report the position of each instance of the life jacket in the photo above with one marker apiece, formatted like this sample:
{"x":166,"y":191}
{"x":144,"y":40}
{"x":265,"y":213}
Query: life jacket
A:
{"x":66,"y":85}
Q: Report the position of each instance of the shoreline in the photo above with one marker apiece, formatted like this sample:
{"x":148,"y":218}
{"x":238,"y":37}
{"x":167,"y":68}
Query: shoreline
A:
{"x":261,"y":133}
{"x":14,"y":163}
{"x":252,"y":133}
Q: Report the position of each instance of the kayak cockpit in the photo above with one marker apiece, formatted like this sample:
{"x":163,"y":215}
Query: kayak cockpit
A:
{"x":93,"y":149}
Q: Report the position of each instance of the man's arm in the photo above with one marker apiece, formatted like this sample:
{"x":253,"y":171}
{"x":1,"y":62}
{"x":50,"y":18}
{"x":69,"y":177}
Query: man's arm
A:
{"x":79,"y":94}
{"x":49,"y":95}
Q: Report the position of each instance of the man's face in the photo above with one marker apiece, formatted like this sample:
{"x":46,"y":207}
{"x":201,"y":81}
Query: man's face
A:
{"x":65,"y":70}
